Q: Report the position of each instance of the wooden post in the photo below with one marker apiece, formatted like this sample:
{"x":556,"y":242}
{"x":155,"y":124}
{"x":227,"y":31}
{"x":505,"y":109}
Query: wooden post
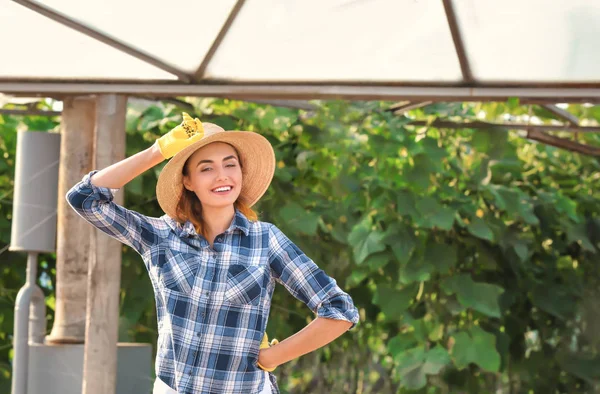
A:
{"x":73,"y":233}
{"x":104,"y":279}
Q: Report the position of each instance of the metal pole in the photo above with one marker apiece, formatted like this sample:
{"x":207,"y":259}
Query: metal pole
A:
{"x":21,"y":327}
{"x":322,"y":90}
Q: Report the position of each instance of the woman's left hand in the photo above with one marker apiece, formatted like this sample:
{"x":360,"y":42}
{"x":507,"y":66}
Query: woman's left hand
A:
{"x":265,"y":354}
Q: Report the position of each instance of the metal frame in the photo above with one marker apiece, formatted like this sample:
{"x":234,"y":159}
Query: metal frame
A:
{"x":446,"y":124}
{"x":459,"y":46}
{"x":468,"y":89}
{"x":303,"y":92}
{"x":215,"y":45}
{"x":95,"y":34}
{"x":561,"y":113}
{"x":533,"y":132}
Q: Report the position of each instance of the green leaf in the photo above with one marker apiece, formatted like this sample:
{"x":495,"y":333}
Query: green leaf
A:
{"x":356,"y":277}
{"x":476,"y":346}
{"x":402,"y":240}
{"x":567,"y":206}
{"x":436,"y":333}
{"x":433,"y":214}
{"x":365,"y":240}
{"x":483,"y":297}
{"x":441,"y":255}
{"x":492,"y":142}
{"x":521,"y":251}
{"x":433,"y":151}
{"x":415,"y":364}
{"x":479,"y":228}
{"x":299,"y":219}
{"x":577,"y":233}
{"x":418,"y":175}
{"x":416,"y":270}
{"x":410,"y":368}
{"x":406,"y":203}
{"x":554,"y":299}
{"x":515,"y":203}
{"x":393,"y":302}
{"x":151,"y":118}
{"x":512,"y":102}
{"x":136,"y":186}
{"x":437,"y":358}
{"x":400,"y":343}
{"x":377,"y":260}
{"x":584,"y":366}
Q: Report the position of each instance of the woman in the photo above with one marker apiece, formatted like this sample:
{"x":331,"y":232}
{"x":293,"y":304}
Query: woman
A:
{"x":212,"y":264}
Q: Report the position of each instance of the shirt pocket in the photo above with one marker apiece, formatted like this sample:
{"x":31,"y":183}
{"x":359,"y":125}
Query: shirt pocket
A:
{"x":245,"y":284}
{"x":177,"y":270}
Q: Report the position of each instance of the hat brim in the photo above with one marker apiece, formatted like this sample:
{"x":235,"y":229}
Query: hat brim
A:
{"x":258,"y":167}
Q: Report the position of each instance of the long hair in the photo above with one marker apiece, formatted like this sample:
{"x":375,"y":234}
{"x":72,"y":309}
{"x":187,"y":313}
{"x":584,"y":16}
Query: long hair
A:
{"x":189,"y":206}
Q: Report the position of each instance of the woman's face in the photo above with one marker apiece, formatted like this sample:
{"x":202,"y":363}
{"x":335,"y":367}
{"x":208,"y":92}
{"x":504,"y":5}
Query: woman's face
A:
{"x":215,"y":175}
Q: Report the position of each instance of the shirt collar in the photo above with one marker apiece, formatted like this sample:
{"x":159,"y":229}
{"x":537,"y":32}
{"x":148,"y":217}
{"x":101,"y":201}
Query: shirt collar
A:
{"x":240,"y":222}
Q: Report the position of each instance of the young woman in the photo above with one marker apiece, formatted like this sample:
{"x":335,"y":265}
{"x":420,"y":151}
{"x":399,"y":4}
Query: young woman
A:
{"x":212,"y":264}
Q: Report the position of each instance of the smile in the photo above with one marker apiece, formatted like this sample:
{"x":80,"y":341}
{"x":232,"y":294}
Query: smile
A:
{"x":222,"y":189}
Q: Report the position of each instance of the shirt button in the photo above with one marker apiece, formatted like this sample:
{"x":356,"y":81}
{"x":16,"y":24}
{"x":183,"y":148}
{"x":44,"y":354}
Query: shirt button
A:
{"x":199,"y":334}
{"x":219,"y":239}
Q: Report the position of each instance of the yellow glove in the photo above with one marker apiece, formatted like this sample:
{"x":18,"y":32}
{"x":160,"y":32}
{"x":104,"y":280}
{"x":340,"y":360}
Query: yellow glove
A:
{"x":183,"y":135}
{"x":264,"y":344}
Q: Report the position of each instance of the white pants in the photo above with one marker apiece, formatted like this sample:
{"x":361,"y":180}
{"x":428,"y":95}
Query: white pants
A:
{"x":161,"y":387}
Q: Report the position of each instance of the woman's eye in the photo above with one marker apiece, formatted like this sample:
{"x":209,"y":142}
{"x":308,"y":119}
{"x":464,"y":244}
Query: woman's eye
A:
{"x":230,"y":165}
{"x":205,"y":169}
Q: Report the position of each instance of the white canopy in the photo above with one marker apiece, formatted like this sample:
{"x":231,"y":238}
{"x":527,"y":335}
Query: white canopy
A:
{"x":426,"y":49}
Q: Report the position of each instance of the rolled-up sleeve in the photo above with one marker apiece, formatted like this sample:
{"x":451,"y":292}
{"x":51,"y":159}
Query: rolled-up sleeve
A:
{"x":307,"y":282}
{"x":95,"y":205}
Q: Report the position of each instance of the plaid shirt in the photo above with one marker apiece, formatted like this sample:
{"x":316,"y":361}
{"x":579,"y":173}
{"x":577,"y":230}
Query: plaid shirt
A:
{"x":213,"y":303}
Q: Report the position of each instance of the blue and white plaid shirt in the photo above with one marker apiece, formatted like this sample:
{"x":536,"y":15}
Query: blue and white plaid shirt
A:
{"x":213,"y":303}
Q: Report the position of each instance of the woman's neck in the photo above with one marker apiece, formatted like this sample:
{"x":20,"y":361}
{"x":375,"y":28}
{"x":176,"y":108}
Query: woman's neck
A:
{"x":216,"y":220}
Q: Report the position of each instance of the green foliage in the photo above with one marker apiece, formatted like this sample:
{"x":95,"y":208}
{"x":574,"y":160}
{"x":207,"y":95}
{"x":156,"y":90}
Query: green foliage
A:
{"x":472,"y":256}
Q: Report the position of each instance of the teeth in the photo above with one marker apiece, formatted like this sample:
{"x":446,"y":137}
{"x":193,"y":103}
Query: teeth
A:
{"x":223,"y":189}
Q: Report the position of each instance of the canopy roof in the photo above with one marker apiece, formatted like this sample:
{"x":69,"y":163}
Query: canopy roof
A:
{"x":385,"y":49}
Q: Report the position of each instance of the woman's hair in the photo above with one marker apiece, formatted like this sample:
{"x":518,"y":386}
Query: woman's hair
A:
{"x":189,"y":206}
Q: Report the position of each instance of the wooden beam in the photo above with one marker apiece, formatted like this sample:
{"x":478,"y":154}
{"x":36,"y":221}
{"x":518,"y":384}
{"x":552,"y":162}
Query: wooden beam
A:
{"x":72,"y":234}
{"x":104,"y":280}
{"x":400,"y":108}
{"x":563,"y":143}
{"x":29,"y":112}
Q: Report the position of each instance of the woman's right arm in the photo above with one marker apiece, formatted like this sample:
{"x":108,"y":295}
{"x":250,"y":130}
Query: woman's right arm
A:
{"x":119,"y":174}
{"x":92,"y":199}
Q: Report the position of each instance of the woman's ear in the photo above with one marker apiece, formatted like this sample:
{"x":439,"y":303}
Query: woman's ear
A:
{"x":186,"y":183}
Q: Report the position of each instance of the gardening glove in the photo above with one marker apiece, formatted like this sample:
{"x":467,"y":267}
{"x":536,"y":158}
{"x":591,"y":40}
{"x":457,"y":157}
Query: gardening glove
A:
{"x":264,"y":344}
{"x":183,"y":135}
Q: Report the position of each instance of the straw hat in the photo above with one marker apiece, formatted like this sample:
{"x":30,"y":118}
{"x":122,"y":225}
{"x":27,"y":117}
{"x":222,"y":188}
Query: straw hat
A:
{"x":256,"y":155}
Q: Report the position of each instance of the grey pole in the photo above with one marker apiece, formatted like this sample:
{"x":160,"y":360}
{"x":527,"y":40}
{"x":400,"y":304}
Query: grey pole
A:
{"x":33,"y":231}
{"x":27,"y":294}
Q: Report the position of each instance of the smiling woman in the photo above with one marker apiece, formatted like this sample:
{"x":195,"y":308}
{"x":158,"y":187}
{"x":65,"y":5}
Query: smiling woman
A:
{"x":212,"y":263}
{"x":212,"y":178}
